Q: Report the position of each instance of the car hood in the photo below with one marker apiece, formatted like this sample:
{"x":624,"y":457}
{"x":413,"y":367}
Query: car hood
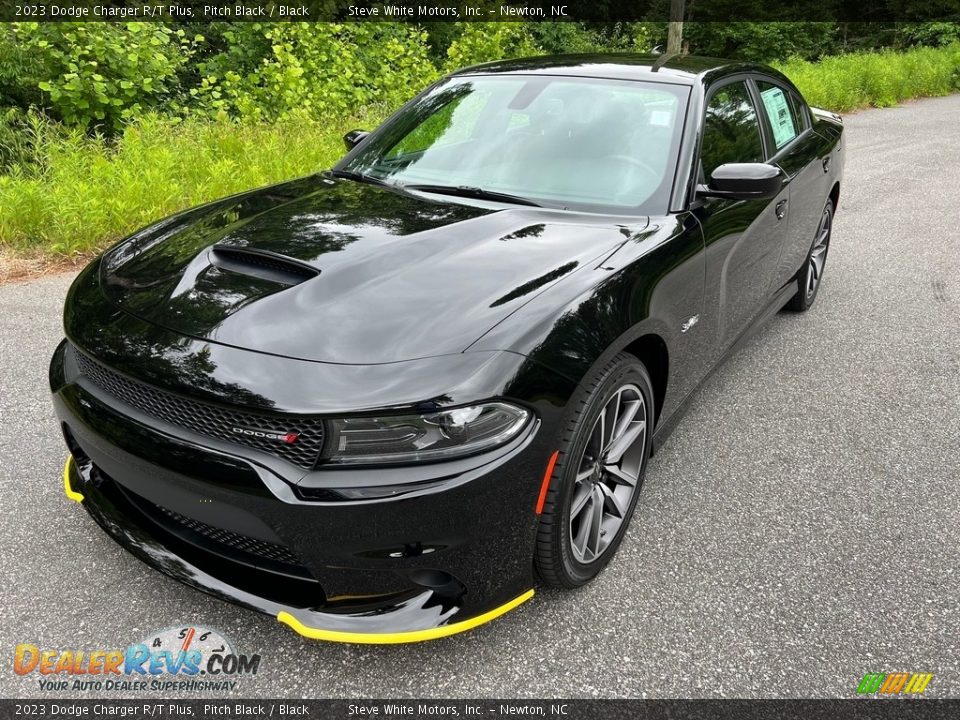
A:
{"x":337,"y":271}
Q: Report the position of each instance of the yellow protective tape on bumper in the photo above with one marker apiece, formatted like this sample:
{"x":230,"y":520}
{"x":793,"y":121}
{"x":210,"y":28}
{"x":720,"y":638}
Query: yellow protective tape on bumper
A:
{"x":410,"y":636}
{"x":67,"y":487}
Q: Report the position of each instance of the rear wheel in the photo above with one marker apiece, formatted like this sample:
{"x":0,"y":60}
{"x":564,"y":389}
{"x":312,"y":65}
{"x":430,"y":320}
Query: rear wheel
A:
{"x":597,"y":477}
{"x":811,"y":273}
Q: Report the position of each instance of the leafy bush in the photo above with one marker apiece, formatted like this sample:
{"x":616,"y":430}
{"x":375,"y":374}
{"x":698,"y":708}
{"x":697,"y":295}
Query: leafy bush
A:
{"x":760,"y":41}
{"x":484,"y":42}
{"x":89,"y":192}
{"x":102,"y":73}
{"x":18,"y":131}
{"x":20,"y":75}
{"x":881,"y":79}
{"x":296,"y":88}
{"x":20,"y":71}
{"x":315,"y":70}
{"x":568,"y":37}
{"x":933,"y":34}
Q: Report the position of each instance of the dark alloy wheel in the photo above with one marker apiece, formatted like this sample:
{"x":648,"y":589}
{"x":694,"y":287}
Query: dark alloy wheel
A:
{"x":598,"y":474}
{"x":811,"y":274}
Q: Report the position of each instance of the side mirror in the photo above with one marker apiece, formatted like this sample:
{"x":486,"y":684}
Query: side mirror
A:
{"x":354,"y":137}
{"x":743,"y":181}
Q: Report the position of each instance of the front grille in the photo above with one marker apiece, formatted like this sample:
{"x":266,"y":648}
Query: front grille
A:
{"x":235,"y":541}
{"x":212,"y":420}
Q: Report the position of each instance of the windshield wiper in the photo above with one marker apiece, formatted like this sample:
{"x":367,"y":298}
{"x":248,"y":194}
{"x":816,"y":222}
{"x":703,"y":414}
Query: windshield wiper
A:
{"x":464,"y":191}
{"x":360,"y":177}
{"x":476,"y":193}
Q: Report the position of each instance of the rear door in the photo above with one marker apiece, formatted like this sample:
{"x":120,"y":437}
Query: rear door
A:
{"x":743,"y":237}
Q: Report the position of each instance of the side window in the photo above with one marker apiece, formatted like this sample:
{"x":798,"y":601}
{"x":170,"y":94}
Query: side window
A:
{"x":803,"y":112}
{"x":781,"y":112}
{"x":731,"y":130}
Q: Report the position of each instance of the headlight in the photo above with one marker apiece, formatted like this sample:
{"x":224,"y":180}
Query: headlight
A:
{"x":419,"y":438}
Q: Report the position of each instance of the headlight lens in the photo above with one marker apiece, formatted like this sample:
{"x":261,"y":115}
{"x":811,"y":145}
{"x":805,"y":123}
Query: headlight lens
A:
{"x":418,"y":438}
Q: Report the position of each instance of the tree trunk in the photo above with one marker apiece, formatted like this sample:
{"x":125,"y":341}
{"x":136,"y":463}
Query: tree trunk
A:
{"x":675,"y":31}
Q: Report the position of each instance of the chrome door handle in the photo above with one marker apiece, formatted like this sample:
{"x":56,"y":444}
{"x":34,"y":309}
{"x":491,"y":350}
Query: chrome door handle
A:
{"x":781,"y":209}
{"x":826,"y":164}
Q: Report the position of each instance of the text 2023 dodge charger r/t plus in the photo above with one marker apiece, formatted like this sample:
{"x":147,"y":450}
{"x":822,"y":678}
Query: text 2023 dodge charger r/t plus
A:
{"x":382,"y":401}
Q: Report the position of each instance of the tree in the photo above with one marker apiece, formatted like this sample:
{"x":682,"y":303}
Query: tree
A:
{"x":675,"y":30}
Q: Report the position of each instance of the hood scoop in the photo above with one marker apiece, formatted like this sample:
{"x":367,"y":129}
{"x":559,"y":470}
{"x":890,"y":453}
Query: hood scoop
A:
{"x":261,"y":264}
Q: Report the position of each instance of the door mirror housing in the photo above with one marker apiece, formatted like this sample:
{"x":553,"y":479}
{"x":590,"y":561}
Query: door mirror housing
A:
{"x":743,"y":181}
{"x":354,"y":138}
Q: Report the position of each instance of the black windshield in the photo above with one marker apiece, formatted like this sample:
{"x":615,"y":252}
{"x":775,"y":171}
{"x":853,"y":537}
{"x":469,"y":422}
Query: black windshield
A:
{"x":583,"y":143}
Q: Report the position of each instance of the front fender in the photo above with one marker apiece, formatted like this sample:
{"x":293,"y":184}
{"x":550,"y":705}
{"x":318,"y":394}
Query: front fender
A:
{"x":651,"y":285}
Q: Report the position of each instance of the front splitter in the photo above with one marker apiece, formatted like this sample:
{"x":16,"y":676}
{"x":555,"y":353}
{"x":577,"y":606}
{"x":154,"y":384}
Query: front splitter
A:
{"x":417,"y":618}
{"x":411,"y":636}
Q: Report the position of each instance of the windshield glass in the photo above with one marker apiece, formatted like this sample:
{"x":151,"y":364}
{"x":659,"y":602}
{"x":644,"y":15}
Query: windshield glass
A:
{"x":582,"y":143}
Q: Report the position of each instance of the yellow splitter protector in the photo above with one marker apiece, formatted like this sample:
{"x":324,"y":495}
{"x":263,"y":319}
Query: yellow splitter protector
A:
{"x":411,"y":636}
{"x":313,"y":633}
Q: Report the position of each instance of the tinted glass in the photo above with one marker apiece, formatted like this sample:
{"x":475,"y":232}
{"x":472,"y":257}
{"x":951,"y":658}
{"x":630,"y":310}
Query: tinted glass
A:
{"x":803,"y":112}
{"x":569,"y":142}
{"x":781,"y":112}
{"x":731,"y":131}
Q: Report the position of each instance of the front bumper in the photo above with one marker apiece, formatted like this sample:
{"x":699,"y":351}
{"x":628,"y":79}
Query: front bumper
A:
{"x":417,"y":565}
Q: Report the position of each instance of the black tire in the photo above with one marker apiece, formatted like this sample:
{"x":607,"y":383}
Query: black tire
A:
{"x":810,"y":276}
{"x":555,"y":558}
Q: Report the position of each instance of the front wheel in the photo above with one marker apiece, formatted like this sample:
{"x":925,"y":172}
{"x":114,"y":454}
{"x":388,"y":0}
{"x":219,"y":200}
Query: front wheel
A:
{"x":811,"y":274}
{"x":596,"y":479}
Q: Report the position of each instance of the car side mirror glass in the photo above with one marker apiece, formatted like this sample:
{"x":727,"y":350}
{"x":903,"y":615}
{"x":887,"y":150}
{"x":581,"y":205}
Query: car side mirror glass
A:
{"x":743,"y":181}
{"x":354,"y":138}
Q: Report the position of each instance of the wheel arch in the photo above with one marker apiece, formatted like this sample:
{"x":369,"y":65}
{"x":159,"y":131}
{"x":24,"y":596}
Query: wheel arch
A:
{"x":835,"y":196}
{"x":651,"y":350}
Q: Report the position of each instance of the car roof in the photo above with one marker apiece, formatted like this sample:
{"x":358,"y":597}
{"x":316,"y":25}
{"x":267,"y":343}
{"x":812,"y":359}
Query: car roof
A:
{"x":676,"y":69}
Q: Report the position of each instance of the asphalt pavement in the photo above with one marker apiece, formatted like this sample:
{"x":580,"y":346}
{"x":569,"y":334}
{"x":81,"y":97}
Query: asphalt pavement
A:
{"x":799,"y":529}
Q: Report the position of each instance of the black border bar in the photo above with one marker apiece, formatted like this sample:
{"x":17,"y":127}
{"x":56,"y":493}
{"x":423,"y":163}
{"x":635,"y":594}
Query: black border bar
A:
{"x":224,"y":707}
{"x":422,"y":11}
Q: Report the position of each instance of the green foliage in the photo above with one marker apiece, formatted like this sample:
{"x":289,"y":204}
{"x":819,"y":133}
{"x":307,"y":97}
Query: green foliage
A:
{"x":99,"y":75}
{"x":314,"y":70}
{"x":20,"y":71}
{"x":439,"y":37}
{"x":881,"y":79}
{"x":484,"y":42}
{"x":102,"y":73}
{"x":568,"y":37}
{"x":932,"y":34}
{"x":17,"y":136}
{"x":760,"y":42}
{"x":155,"y":118}
{"x":88,"y":192}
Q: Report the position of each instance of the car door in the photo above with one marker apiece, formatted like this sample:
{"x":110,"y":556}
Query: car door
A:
{"x":796,"y":149}
{"x":742,"y":237}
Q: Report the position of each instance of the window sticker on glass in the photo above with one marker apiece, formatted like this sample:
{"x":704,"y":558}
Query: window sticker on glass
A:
{"x":781,"y":119}
{"x":660,"y":118}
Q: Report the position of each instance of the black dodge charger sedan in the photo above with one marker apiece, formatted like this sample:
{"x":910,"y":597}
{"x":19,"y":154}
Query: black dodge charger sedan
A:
{"x":381,"y":401}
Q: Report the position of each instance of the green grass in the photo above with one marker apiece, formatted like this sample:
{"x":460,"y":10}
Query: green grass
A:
{"x":881,"y":79}
{"x":83,"y":193}
{"x":80,"y":194}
